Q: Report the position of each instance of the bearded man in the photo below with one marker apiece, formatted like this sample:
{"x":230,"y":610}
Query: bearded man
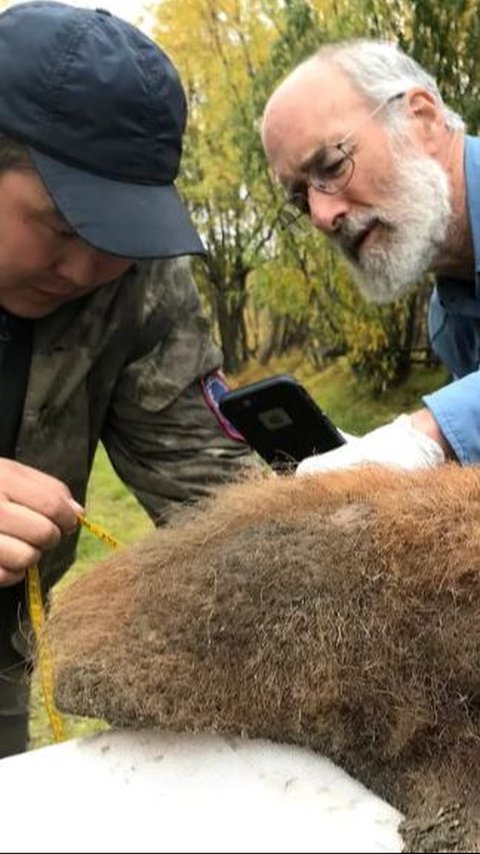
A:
{"x":366,"y":149}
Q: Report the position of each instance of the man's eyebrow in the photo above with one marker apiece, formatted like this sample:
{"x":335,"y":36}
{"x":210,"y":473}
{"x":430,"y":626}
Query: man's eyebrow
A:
{"x":317,"y":157}
{"x":48,"y":212}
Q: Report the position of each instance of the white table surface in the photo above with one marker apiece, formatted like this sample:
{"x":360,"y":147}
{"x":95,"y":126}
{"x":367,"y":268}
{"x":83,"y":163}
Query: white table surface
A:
{"x":135,"y":791}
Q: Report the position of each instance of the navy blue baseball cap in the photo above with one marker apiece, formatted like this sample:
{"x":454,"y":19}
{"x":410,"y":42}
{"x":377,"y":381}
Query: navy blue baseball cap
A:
{"x":102,"y":111}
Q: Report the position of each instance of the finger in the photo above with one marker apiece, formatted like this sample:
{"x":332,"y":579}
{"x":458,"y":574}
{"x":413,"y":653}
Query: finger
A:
{"x":8,"y":579}
{"x":29,"y":526}
{"x":52,"y":505}
{"x":16,"y":556}
{"x":12,"y":468}
{"x":39,"y":492}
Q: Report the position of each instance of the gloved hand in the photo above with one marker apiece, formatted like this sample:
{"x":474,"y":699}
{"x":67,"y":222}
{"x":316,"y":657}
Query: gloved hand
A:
{"x":397,"y":444}
{"x":347,"y":436}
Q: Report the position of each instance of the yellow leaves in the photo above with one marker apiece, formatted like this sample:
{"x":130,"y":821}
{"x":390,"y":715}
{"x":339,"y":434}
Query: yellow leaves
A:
{"x":364,"y":335}
{"x":283,"y":288}
{"x":216,"y":44}
{"x":375,"y":343}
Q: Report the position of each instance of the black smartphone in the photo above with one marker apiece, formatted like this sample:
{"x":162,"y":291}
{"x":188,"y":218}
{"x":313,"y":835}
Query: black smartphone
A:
{"x":280,"y":420}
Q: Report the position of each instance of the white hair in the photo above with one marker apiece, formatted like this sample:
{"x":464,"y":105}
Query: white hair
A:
{"x":379,"y":69}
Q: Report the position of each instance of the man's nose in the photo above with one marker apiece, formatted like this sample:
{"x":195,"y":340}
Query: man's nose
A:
{"x":327,"y":212}
{"x":86,"y":266}
{"x":79,"y":263}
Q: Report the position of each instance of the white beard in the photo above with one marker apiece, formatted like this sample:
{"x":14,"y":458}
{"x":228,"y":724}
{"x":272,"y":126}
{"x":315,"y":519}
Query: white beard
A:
{"x":414,"y":228}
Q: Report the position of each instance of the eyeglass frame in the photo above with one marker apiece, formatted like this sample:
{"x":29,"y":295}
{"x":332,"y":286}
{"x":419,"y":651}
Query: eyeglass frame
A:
{"x":299,"y":213}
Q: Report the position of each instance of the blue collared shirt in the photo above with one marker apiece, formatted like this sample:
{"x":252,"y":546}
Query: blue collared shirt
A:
{"x":454,"y":328}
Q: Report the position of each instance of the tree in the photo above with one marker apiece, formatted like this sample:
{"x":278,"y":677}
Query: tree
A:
{"x":443,"y":37}
{"x":218,"y":178}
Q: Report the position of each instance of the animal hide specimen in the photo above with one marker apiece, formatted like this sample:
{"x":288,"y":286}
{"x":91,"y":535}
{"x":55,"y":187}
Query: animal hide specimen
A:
{"x":340,"y":612}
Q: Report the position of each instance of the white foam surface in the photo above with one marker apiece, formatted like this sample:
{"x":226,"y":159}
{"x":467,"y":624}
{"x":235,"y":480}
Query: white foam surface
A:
{"x":149,"y":791}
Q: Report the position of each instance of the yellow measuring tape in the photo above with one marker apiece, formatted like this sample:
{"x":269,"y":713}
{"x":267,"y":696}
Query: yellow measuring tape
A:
{"x":37,"y":619}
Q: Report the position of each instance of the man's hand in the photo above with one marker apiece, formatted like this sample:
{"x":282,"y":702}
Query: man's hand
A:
{"x":409,"y":442}
{"x":35,"y":510}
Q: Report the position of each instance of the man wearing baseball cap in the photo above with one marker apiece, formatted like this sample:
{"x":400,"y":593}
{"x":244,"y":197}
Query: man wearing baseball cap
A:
{"x":101,"y":334}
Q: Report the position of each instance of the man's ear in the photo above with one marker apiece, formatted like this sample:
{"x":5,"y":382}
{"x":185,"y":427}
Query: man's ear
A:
{"x":428,"y":118}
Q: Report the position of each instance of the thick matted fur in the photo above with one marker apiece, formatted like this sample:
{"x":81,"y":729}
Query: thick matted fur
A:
{"x":339,"y":611}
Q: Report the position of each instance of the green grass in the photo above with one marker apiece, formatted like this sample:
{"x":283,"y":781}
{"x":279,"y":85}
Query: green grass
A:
{"x":111,"y":505}
{"x":348,"y":403}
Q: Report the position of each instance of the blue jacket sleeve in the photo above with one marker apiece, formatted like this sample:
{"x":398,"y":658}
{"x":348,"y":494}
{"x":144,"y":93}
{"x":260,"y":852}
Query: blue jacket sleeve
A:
{"x":456,"y":409}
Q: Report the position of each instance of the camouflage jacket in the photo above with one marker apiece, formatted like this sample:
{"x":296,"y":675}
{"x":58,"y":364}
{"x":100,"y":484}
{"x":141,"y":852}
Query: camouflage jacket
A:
{"x":122,"y":366}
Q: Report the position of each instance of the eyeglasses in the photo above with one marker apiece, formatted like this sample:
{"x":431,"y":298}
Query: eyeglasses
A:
{"x":329,"y":171}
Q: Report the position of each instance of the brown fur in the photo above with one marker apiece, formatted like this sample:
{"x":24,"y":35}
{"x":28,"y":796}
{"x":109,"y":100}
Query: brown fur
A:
{"x":340,"y":612}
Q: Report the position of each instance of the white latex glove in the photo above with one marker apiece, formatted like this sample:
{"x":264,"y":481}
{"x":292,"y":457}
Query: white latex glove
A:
{"x":347,"y":436}
{"x":397,"y":444}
